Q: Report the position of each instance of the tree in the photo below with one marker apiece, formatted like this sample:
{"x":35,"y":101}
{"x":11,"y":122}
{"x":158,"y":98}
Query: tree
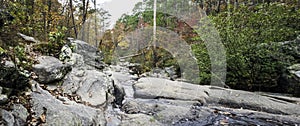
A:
{"x":94,"y":27}
{"x":73,"y":19}
{"x":255,"y":61}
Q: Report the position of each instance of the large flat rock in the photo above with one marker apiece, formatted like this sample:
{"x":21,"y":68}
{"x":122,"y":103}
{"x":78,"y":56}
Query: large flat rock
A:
{"x":154,"y":88}
{"x":253,"y":101}
{"x":151,"y":88}
{"x":179,"y":113}
{"x":91,"y":85}
{"x":139,"y":120}
{"x":64,"y":113}
{"x":163,"y":110}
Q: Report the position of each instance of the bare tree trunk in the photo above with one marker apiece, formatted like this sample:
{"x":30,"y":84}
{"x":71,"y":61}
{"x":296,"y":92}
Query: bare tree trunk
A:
{"x":31,"y":12}
{"x":84,"y":16}
{"x":154,"y":34}
{"x":82,"y":32}
{"x":154,"y":24}
{"x":219,"y":6}
{"x":68,"y":24}
{"x":84,"y":10}
{"x":96,"y":29}
{"x":88,"y":31}
{"x":45,"y":26}
{"x":49,"y":4}
{"x":73,"y":19}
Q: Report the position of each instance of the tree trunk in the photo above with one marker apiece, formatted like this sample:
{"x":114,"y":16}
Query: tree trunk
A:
{"x":84,"y":15}
{"x":96,"y":32}
{"x":154,"y":34}
{"x":49,"y":4}
{"x":68,"y":24}
{"x":88,"y":31}
{"x":219,"y":6}
{"x":45,"y":26}
{"x":73,"y":19}
{"x":85,"y":8}
{"x":82,"y":32}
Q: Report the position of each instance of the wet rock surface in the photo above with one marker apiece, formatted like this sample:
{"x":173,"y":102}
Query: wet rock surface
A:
{"x":92,"y":93}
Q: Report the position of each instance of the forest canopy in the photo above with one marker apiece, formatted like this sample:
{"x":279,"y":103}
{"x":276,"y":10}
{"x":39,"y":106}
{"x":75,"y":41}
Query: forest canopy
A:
{"x":252,"y":32}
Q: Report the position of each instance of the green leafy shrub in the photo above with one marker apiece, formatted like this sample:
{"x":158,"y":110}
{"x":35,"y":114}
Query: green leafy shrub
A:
{"x":55,"y":43}
{"x":201,"y":53}
{"x":22,"y":59}
{"x":255,"y":60}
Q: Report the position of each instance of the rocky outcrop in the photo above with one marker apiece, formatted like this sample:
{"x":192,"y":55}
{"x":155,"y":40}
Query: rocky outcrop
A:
{"x":154,"y":88}
{"x":166,"y":102}
{"x":91,"y":93}
{"x":50,"y":69}
{"x":11,"y":77}
{"x":85,"y":80}
{"x":16,"y":117}
{"x":91,"y":85}
{"x":181,"y":113}
{"x":91,"y":55}
{"x":80,"y":96}
{"x":63,"y":112}
{"x":148,"y":88}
